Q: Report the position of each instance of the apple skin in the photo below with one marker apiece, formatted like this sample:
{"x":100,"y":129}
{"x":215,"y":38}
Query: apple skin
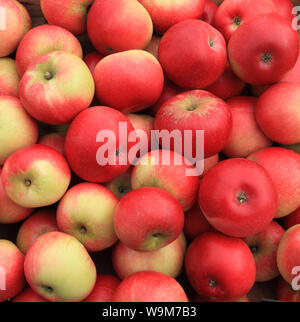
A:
{"x":166,"y":14}
{"x":58,"y":99}
{"x":17,"y":23}
{"x":246,"y":137}
{"x":92,"y":59}
{"x":149,"y":286}
{"x":9,"y":77}
{"x":73,"y":266}
{"x":104,"y":289}
{"x":197,"y":110}
{"x":17,"y":129}
{"x":55,"y":141}
{"x":285,"y":293}
{"x":41,"y":222}
{"x":44,"y":39}
{"x":294,"y":75}
{"x":281,"y":123}
{"x":129,"y":81}
{"x":153,"y":46}
{"x":292,"y":219}
{"x":209,"y":163}
{"x":12,"y":261}
{"x":208,"y":265}
{"x":119,"y":25}
{"x":264,"y":247}
{"x":10,"y":212}
{"x":68,"y":14}
{"x":78,"y":214}
{"x":209,"y":12}
{"x":81,"y":143}
{"x":262,"y":58}
{"x":121,"y":185}
{"x":36,"y":176}
{"x":28,"y":295}
{"x":231,"y":14}
{"x":283,"y":167}
{"x":167,"y":260}
{"x":284,"y":8}
{"x":249,"y":203}
{"x":148,"y":218}
{"x":151,"y":172}
{"x":179,"y":62}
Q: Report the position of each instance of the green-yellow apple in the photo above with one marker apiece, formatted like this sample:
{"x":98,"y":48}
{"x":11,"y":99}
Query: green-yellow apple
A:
{"x":56,"y":87}
{"x":36,"y":176}
{"x":121,"y":185}
{"x":58,"y":268}
{"x":17,"y":128}
{"x":86,"y":212}
{"x":9,"y":77}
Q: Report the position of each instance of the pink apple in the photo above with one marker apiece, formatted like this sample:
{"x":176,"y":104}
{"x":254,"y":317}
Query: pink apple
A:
{"x":9,"y":77}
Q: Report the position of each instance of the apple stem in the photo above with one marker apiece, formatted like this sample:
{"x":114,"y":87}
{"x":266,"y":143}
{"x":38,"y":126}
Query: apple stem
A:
{"x":48,"y":76}
{"x":237,"y":20}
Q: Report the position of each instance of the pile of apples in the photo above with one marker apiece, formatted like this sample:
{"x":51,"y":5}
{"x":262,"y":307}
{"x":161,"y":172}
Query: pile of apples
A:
{"x":231,"y":70}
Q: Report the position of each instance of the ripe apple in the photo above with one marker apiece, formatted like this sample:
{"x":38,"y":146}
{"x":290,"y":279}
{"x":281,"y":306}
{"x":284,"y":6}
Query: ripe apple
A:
{"x":246,"y":206}
{"x":13,"y":27}
{"x":196,"y":61}
{"x":44,"y":39}
{"x":41,"y":222}
{"x":9,"y":77}
{"x":246,"y":137}
{"x":35,"y":176}
{"x":17,"y":128}
{"x":209,"y":12}
{"x":285,"y":292}
{"x":262,"y":58}
{"x":294,"y":75}
{"x":151,"y":171}
{"x":28,"y":295}
{"x":152,"y":48}
{"x":129,"y":81}
{"x":292,"y":219}
{"x":197,"y":110}
{"x":166,"y":14}
{"x":283,"y":167}
{"x":69,"y":14}
{"x":121,"y":185}
{"x":119,"y":25}
{"x":210,"y":162}
{"x":79,"y":215}
{"x":263,"y":246}
{"x":167,"y":260}
{"x":284,"y":8}
{"x":148,"y":218}
{"x":55,"y":141}
{"x":82,"y":144}
{"x":73,"y":276}
{"x":209,"y":267}
{"x":12,"y":274}
{"x":104,"y":289}
{"x":92,"y":59}
{"x":149,"y":286}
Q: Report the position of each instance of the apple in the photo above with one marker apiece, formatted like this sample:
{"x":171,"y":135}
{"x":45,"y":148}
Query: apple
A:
{"x":55,"y":141}
{"x":257,"y":90}
{"x":153,"y":46}
{"x":166,"y":14}
{"x":196,"y":110}
{"x":69,"y":14}
{"x":210,"y":162}
{"x":280,"y":123}
{"x":78,"y":214}
{"x":119,"y":25}
{"x":28,"y":295}
{"x":231,"y":14}
{"x":199,"y":60}
{"x":48,"y":90}
{"x":151,"y":171}
{"x":285,"y":292}
{"x":81,"y":144}
{"x":9,"y":77}
{"x":17,"y":128}
{"x":13,"y":26}
{"x":129,"y":81}
{"x":292,"y":219}
{"x":284,"y":8}
{"x":41,"y":222}
{"x":92,"y":59}
{"x":263,"y":246}
{"x":283,"y":167}
{"x":294,"y":75}
{"x":148,"y":287}
{"x":209,"y":267}
{"x":246,"y":137}
{"x":121,"y":185}
{"x":35,"y":176}
{"x":247,"y":205}
{"x":44,"y":39}
{"x":262,"y":58}
{"x":148,"y":218}
{"x":104,"y":289}
{"x":11,"y":269}
{"x":167,"y":260}
{"x":209,"y":12}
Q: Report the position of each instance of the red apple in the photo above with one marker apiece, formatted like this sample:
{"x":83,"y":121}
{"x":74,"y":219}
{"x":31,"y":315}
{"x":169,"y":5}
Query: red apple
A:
{"x":294,"y":75}
{"x":148,"y":218}
{"x":121,"y":185}
{"x":210,"y":162}
{"x":28,"y":295}
{"x":152,"y":48}
{"x":209,"y":12}
{"x":92,"y":59}
{"x":285,"y":293}
{"x":210,"y":270}
{"x":246,"y":206}
{"x":196,"y":61}
{"x":292,"y":219}
{"x":284,"y":8}
{"x":9,"y":77}
{"x":41,"y":222}
{"x":149,"y":287}
{"x":129,"y":81}
{"x":55,"y":141}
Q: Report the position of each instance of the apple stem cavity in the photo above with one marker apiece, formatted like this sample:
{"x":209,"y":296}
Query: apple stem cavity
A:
{"x":157,"y":235}
{"x":266,"y":57}
{"x":254,"y":249}
{"x":28,"y":182}
{"x":47,"y":288}
{"x":242,"y":198}
{"x":48,"y":75}
{"x":83,"y":230}
{"x":213,"y":283}
{"x":237,"y":20}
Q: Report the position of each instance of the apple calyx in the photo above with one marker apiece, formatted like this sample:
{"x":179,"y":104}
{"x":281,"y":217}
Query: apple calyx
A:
{"x":48,"y":75}
{"x":28,"y":182}
{"x":254,"y":249}
{"x":242,"y":198}
{"x":237,"y":20}
{"x":212,"y":283}
{"x":82,"y":230}
{"x":266,"y":58}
